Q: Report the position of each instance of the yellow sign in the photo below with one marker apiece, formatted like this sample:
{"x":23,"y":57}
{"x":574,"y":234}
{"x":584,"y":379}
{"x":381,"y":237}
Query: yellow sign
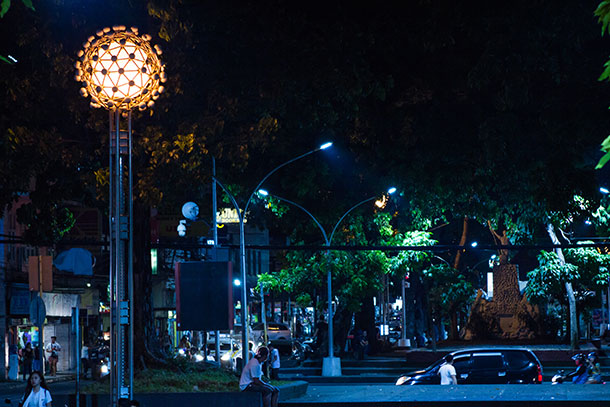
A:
{"x":227,"y":215}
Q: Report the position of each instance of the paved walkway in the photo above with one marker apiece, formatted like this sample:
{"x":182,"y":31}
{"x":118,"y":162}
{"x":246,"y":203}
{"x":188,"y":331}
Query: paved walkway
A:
{"x":12,"y":385}
{"x":437,"y":395}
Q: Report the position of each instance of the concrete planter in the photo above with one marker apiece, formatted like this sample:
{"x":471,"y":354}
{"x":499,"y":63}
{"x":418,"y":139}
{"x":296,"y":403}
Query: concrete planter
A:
{"x":225,"y":399}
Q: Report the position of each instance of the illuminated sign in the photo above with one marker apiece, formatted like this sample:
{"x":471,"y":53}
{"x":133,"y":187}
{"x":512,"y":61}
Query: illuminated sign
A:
{"x":228,"y":215}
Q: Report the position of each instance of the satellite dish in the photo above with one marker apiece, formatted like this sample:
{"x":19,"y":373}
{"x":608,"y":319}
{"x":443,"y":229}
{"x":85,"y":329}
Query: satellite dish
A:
{"x":190,"y":210}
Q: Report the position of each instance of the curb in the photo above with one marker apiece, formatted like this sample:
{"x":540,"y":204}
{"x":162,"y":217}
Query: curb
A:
{"x":293,"y":390}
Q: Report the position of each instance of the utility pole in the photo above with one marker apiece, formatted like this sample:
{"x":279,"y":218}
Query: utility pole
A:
{"x":2,"y":320}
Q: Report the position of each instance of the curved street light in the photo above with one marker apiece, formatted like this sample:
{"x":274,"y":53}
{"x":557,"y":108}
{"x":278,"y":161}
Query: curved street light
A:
{"x":241,"y":214}
{"x":331,"y":366}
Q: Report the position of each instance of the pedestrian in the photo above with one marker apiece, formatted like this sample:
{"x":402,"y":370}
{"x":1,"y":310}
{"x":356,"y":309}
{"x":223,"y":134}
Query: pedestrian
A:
{"x":84,"y":358}
{"x":447,"y":371}
{"x":28,"y":358}
{"x":37,"y":392}
{"x":53,"y":348}
{"x":275,"y":363}
{"x":363,"y":348}
{"x":37,"y":363}
{"x":320,"y":335}
{"x":251,"y":379}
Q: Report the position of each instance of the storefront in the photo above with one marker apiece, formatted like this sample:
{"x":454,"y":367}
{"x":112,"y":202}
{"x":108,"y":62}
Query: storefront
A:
{"x":59,"y":308}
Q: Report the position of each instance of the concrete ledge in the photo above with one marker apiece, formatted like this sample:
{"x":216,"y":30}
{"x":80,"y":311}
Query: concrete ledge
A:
{"x":226,"y":399}
{"x":293,"y":390}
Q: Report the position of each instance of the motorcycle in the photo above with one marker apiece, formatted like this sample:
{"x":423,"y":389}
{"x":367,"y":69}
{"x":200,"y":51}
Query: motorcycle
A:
{"x":559,"y":377}
{"x":98,"y":361}
{"x":301,"y":351}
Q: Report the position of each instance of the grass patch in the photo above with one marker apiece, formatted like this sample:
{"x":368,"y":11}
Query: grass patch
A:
{"x":211,"y":379}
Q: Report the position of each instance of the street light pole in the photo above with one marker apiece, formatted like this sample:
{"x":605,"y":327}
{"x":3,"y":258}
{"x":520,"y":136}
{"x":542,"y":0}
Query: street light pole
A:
{"x":121,"y":71}
{"x":331,"y":366}
{"x":241,"y":215}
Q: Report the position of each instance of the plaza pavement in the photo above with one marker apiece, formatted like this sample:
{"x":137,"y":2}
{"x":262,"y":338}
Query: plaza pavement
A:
{"x":466,"y":395}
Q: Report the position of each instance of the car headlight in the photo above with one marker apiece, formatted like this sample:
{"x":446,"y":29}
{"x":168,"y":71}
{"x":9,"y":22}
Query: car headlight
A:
{"x":198,"y":358}
{"x":401,"y":380}
{"x":181,"y":351}
{"x":226,"y":357}
{"x":104,"y":369}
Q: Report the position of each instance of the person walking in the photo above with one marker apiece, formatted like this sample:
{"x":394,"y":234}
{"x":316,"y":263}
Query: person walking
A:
{"x":84,"y":358}
{"x":27,"y":355}
{"x":37,"y":392}
{"x":37,"y":363}
{"x":251,"y":379}
{"x":447,"y":372}
{"x":275,"y":363}
{"x":53,"y":348}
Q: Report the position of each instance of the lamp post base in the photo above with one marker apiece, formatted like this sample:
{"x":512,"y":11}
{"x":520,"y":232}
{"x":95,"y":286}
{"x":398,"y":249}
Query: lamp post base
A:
{"x":404,"y":343}
{"x":331,"y":366}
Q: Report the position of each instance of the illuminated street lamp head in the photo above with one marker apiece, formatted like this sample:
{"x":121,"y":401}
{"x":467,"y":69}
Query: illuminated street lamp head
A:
{"x":326,"y":145}
{"x":263,"y":192}
{"x":119,"y":69}
{"x":391,"y":190}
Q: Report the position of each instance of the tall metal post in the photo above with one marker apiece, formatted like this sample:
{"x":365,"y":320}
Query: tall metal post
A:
{"x":121,"y":255}
{"x":244,"y":296}
{"x":403,"y":333}
{"x":215,"y":226}
{"x":75,"y":312}
{"x":329,"y":282}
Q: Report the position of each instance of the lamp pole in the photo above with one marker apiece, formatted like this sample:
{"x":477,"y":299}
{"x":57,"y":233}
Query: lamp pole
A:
{"x":331,"y":366}
{"x":241,"y":215}
{"x":120,"y":70}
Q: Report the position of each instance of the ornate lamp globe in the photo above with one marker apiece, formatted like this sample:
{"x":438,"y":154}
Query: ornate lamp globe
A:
{"x":120,"y":69}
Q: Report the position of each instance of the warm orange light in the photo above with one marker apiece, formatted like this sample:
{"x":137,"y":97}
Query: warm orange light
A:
{"x":120,"y":69}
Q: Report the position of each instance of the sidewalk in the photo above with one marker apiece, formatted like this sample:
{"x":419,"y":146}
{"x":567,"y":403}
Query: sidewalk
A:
{"x":379,"y":395}
{"x":12,"y":385}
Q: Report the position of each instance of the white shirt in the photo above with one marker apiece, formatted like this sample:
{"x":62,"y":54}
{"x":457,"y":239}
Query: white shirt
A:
{"x":40,"y":399}
{"x":53,"y":347}
{"x":275,"y":359}
{"x":253,"y":369}
{"x":445,"y":372}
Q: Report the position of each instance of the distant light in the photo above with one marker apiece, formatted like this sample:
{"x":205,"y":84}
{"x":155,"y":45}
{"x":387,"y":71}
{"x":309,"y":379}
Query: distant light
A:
{"x":237,"y":282}
{"x":210,"y":241}
{"x":493,"y":257}
{"x":88,"y":284}
{"x":391,"y":190}
{"x":12,"y":59}
{"x":181,"y":228}
{"x":588,"y":222}
{"x":474,"y":244}
{"x":604,"y":190}
{"x":263,"y":192}
{"x":325,"y":145}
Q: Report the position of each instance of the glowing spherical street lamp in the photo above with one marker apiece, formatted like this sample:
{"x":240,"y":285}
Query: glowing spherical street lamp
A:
{"x":120,"y":69}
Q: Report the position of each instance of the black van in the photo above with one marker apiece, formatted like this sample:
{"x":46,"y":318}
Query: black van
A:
{"x":483,"y":366}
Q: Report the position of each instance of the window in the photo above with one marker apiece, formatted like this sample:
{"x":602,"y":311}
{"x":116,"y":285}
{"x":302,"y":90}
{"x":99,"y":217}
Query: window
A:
{"x":489,"y":361}
{"x":516,"y":359}
{"x":461,"y":364}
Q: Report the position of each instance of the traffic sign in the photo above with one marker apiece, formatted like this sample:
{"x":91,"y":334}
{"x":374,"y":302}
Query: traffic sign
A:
{"x":38,"y":311}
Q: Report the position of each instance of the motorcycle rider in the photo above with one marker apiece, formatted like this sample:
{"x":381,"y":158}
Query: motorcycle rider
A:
{"x":580,"y":375}
{"x":594,"y":369}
